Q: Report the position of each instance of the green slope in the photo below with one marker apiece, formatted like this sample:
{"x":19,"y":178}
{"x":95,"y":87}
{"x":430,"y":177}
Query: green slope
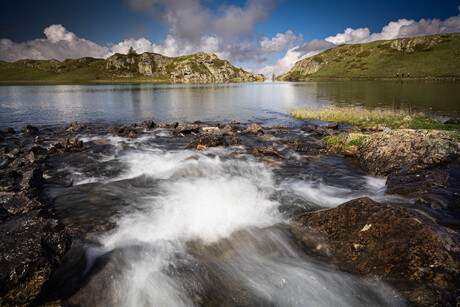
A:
{"x":120,"y":68}
{"x":434,"y":56}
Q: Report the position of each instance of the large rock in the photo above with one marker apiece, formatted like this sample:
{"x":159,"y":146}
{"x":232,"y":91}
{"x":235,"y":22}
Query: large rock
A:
{"x":254,"y":129}
{"x":75,"y":127}
{"x":31,"y":246}
{"x":182,"y":130}
{"x":269,"y":151}
{"x":310,"y":146}
{"x":28,"y":129}
{"x":380,"y":239}
{"x":385,"y":152}
{"x":148,"y":124}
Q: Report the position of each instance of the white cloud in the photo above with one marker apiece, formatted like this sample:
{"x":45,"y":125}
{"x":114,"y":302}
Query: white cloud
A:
{"x":59,"y":44}
{"x":278,"y":43}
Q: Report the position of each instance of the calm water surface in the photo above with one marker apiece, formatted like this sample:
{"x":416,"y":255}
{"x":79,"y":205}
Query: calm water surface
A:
{"x":266,"y":102}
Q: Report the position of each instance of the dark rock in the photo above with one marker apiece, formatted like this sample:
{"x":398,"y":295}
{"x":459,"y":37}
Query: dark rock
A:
{"x":75,"y":127}
{"x":182,"y":130}
{"x":254,"y":129}
{"x":123,"y":131}
{"x":32,"y":179}
{"x":133,"y":126}
{"x":8,"y":130}
{"x":221,"y":131}
{"x":310,"y":146}
{"x":175,"y":125}
{"x":333,"y":125}
{"x":37,"y":149}
{"x":148,"y":124}
{"x":270,"y":151}
{"x":13,"y":153}
{"x":234,"y":122}
{"x":28,"y":129}
{"x":39,"y":139}
{"x":385,"y":152}
{"x":5,"y":162}
{"x":4,"y":150}
{"x":208,"y":141}
{"x":396,"y":243}
{"x":452,"y":121}
{"x":15,"y":203}
{"x":435,"y":185}
{"x":31,"y":246}
{"x":308,"y":128}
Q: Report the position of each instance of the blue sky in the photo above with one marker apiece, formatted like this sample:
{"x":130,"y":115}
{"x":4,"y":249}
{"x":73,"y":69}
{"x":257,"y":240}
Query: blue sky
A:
{"x":258,"y":34}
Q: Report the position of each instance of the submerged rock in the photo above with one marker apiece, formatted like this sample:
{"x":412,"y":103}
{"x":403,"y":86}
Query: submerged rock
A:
{"x":435,"y":185}
{"x":31,"y":246}
{"x":396,"y":243}
{"x":385,"y":152}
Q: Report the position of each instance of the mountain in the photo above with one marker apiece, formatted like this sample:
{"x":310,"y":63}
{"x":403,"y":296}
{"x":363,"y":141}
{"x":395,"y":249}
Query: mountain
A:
{"x":434,"y":56}
{"x":127,"y":68}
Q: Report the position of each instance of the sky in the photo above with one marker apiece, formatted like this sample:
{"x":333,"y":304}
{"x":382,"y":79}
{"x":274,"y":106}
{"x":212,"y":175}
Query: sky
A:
{"x":264,"y":36}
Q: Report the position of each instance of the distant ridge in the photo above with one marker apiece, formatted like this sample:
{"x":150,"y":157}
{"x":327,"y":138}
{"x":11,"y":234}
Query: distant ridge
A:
{"x":126,"y":68}
{"x":434,"y":56}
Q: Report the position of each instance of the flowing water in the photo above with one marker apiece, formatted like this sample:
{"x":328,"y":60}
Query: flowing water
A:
{"x":175,"y":227}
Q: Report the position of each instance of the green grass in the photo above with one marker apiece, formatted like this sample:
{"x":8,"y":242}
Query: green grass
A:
{"x":368,"y":118}
{"x":433,"y":56}
{"x":344,"y":140}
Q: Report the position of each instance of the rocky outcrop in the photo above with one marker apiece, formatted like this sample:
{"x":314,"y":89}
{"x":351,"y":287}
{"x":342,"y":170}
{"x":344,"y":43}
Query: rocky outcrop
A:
{"x":398,"y":244}
{"x":385,"y":152}
{"x":205,"y":141}
{"x":196,"y":68}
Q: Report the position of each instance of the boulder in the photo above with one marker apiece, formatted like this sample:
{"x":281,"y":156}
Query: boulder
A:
{"x":32,"y":179}
{"x":75,"y":127}
{"x":15,"y":203}
{"x":333,"y":125}
{"x":31,"y":246}
{"x":123,"y":131}
{"x":389,"y":151}
{"x":148,"y":124}
{"x":28,"y":129}
{"x":308,"y":128}
{"x":207,"y":141}
{"x":396,"y":243}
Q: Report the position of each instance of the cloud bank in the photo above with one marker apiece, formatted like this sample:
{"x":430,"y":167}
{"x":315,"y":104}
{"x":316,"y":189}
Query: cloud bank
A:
{"x":228,"y":31}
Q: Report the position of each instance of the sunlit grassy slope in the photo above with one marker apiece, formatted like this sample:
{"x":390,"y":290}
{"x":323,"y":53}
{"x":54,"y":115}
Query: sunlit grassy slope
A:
{"x":422,"y":57}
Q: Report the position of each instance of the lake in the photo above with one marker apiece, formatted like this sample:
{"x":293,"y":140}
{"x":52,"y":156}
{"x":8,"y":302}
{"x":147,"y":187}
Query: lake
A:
{"x":266,"y":103}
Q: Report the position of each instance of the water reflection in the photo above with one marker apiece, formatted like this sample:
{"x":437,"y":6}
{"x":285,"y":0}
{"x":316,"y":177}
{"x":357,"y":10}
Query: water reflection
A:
{"x":266,"y":102}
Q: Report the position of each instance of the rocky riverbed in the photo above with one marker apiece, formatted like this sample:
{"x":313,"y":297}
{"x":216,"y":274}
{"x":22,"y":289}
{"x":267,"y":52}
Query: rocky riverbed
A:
{"x":54,"y":208}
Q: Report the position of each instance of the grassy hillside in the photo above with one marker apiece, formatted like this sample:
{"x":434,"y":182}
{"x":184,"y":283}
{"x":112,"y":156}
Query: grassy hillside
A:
{"x":423,"y":57}
{"x":120,"y":68}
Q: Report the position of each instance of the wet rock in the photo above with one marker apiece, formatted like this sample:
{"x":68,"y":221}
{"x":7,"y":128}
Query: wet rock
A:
{"x":254,"y":129}
{"x":208,"y":141}
{"x":386,"y":152}
{"x":310,"y":146}
{"x":433,"y":185}
{"x":308,"y":128}
{"x":66,"y":145}
{"x":351,"y":151}
{"x":133,"y":126}
{"x":235,"y":141}
{"x":325,"y":131}
{"x":162,"y":125}
{"x":234,"y":122}
{"x":39,"y":139}
{"x":28,"y":129}
{"x":380,"y":239}
{"x":15,"y":152}
{"x":123,"y":131}
{"x":8,"y":130}
{"x":270,"y":151}
{"x":37,"y":149}
{"x":221,"y":131}
{"x":15,"y":203}
{"x":148,"y":124}
{"x":32,"y":179}
{"x":75,"y":127}
{"x":101,"y":141}
{"x":452,"y":121}
{"x":333,"y":125}
{"x":31,"y":246}
{"x":182,"y":130}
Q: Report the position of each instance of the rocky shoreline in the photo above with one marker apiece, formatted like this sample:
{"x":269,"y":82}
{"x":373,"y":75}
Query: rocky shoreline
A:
{"x":414,"y":248}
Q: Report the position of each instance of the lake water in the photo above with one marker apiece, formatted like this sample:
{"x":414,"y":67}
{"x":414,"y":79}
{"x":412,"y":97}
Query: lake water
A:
{"x":176,"y":227}
{"x":266,"y":102}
